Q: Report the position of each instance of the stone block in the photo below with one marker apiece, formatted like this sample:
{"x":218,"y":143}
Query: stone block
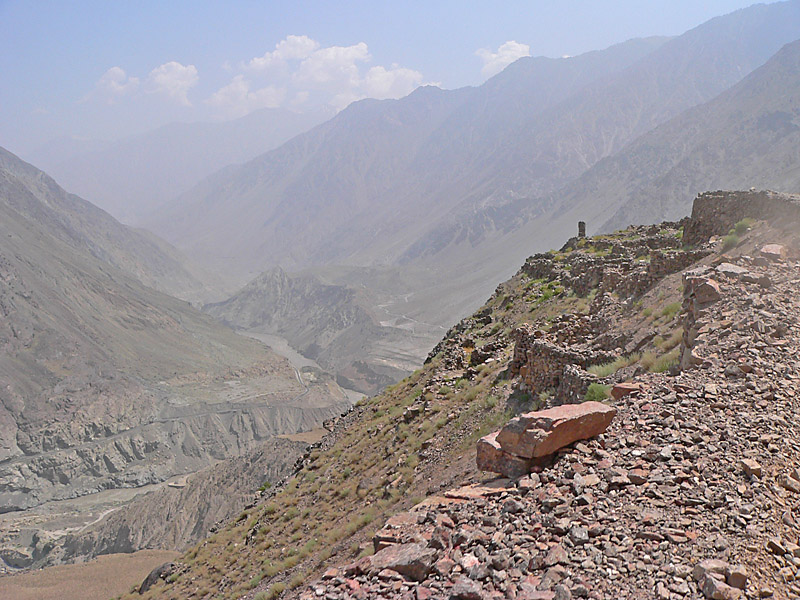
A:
{"x":541,"y":433}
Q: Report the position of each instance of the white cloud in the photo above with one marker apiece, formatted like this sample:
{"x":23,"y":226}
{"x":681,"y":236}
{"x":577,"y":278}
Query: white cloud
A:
{"x":114,"y":84}
{"x":236,"y":99}
{"x":174,"y":80}
{"x":494,"y":62}
{"x":332,"y":67}
{"x":395,"y":82}
{"x":294,"y":47}
{"x":299,"y":71}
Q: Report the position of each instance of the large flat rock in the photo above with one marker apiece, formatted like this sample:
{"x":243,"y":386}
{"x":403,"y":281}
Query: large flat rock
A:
{"x":543,"y":432}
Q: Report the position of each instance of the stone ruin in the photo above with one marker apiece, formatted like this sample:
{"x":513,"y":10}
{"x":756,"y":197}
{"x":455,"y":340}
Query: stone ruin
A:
{"x":715,"y":213}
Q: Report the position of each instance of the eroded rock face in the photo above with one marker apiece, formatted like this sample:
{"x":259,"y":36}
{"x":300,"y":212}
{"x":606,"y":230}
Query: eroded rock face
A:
{"x":543,"y":432}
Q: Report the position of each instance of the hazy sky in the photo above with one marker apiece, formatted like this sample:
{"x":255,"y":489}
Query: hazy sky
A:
{"x":107,"y":68}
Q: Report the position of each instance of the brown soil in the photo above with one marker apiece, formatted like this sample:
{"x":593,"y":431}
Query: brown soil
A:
{"x":100,"y":579}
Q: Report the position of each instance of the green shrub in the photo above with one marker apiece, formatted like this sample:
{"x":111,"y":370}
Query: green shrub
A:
{"x":730,"y":241}
{"x":597,"y":392}
{"x":742,"y":226}
{"x":671,"y":309}
{"x":612,"y":367}
{"x":273,"y":592}
{"x":665,"y":362}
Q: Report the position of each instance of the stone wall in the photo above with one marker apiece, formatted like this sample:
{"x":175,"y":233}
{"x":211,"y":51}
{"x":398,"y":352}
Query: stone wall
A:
{"x":540,"y":363}
{"x":715,"y":213}
{"x":573,"y":385}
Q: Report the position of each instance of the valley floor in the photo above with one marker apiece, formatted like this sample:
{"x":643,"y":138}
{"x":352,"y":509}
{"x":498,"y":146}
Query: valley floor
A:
{"x":99,"y":579}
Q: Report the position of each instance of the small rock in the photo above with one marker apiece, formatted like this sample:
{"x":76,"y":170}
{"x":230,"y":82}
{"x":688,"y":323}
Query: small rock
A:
{"x":466,"y":589}
{"x":736,"y":577}
{"x":750,"y":467}
{"x":621,"y":390}
{"x":414,"y":561}
{"x":579,"y":535}
{"x":707,"y":291}
{"x":718,"y":590}
{"x":711,"y":566}
{"x":774,"y":252}
{"x":775,"y":545}
{"x":556,"y":555}
{"x":790,"y":484}
{"x":561,"y":592}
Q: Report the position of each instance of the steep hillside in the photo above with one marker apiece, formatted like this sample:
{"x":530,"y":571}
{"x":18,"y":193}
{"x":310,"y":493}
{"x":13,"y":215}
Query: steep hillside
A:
{"x":331,"y":324}
{"x":110,"y":384}
{"x":177,"y":517}
{"x":610,"y":309}
{"x":34,"y":195}
{"x":133,"y":177}
{"x":749,"y":134}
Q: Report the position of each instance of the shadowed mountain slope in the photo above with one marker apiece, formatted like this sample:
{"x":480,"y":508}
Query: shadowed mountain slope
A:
{"x":749,"y":135}
{"x":34,"y":195}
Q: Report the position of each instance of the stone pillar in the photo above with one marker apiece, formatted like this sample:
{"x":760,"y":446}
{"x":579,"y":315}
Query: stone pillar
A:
{"x":581,"y":229}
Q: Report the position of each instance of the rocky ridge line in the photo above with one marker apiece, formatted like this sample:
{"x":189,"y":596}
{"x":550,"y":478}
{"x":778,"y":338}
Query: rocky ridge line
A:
{"x":691,"y":493}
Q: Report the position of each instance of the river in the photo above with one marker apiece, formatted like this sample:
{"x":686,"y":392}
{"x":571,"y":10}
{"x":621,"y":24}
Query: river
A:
{"x":280,"y":346}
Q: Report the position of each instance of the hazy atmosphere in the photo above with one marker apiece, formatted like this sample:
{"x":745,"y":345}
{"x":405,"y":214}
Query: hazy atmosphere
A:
{"x":399,"y":300}
{"x":100,"y":70}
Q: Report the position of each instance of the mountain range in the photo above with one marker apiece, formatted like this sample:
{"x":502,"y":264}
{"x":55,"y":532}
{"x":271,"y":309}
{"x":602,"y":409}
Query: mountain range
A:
{"x":453,"y":188}
{"x":105,"y":382}
{"x":133,"y":177}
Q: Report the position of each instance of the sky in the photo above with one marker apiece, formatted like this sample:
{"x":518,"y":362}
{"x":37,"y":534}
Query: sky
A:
{"x":109,"y":69}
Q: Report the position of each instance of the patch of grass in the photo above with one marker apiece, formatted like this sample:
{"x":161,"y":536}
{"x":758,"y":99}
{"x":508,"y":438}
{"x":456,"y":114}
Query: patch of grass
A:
{"x":254,"y":581}
{"x":743,"y":226}
{"x":273,"y":592}
{"x":670,"y":310}
{"x":665,"y":344}
{"x":730,"y":241}
{"x":665,"y":362}
{"x":597,"y":392}
{"x":609,"y":368}
{"x":297,"y":580}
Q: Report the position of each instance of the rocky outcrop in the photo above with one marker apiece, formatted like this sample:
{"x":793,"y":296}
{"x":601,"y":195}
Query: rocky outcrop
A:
{"x":331,"y":324}
{"x":176,"y":518}
{"x":153,"y":452}
{"x":539,"y":434}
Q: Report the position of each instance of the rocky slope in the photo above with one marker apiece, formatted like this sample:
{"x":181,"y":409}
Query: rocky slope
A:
{"x":696,"y":464}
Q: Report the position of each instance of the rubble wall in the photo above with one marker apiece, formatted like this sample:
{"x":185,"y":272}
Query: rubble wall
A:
{"x":715,"y":213}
